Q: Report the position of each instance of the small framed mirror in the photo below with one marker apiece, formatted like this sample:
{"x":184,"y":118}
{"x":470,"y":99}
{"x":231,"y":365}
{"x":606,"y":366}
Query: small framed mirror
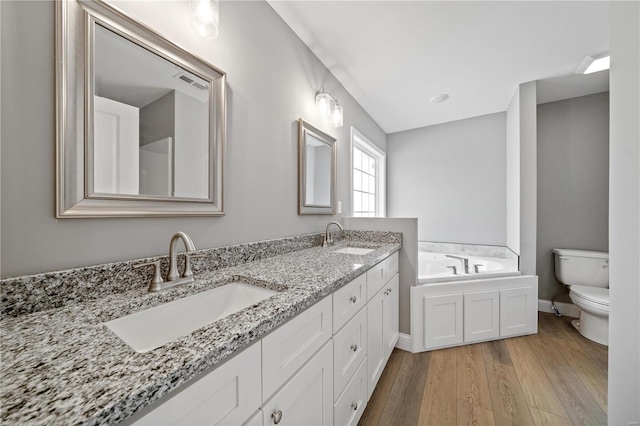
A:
{"x":140,"y":121}
{"x":316,"y":171}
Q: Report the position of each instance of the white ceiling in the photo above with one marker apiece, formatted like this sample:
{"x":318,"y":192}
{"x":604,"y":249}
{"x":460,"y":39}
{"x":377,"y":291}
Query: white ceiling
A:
{"x":392,"y":56}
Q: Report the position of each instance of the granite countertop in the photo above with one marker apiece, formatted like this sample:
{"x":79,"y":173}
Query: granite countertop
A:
{"x":63,"y":366}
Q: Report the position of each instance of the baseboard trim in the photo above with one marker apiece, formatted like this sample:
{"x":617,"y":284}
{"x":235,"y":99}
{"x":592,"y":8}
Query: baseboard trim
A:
{"x":567,"y":309}
{"x":404,"y":342}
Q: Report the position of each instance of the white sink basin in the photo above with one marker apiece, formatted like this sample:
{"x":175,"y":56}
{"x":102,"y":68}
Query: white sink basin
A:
{"x":354,"y":250}
{"x":154,"y":327}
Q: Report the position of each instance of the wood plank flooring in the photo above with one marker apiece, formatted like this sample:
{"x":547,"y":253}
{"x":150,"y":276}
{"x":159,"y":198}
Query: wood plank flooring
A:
{"x":556,"y":377}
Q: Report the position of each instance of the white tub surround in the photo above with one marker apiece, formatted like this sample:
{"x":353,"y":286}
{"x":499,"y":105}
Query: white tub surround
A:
{"x":435,"y":266}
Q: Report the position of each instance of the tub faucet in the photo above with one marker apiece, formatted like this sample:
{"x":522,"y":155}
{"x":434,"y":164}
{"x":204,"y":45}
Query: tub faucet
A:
{"x":328,"y":240}
{"x":463,"y":260}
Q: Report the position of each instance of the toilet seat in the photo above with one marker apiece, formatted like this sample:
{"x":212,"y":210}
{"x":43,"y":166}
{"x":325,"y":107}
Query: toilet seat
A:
{"x":597,"y":295}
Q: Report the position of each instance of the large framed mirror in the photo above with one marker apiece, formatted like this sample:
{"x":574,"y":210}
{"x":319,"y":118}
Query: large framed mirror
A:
{"x":140,"y":121}
{"x":316,"y":170}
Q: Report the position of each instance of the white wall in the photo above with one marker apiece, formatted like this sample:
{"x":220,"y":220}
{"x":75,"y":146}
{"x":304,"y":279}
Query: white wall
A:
{"x":272,"y":78}
{"x":451,"y":177}
{"x":573,"y":181}
{"x":624,"y":215}
{"x":513,"y":174}
{"x":521,"y":176}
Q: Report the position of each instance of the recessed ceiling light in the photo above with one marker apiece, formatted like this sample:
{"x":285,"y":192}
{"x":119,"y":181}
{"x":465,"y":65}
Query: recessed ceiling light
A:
{"x":439,"y":98}
{"x":592,"y":64}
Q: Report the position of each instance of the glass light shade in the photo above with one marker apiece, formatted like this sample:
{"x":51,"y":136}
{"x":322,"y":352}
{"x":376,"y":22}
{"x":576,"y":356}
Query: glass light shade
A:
{"x":204,"y":16}
{"x":323,"y":102}
{"x":336,"y":115}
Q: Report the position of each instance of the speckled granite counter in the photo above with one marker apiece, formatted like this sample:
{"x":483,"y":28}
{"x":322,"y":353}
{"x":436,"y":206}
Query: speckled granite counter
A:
{"x":63,"y":366}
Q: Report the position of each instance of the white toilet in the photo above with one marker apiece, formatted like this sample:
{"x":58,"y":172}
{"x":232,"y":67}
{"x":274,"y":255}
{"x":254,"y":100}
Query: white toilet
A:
{"x":587,"y":275}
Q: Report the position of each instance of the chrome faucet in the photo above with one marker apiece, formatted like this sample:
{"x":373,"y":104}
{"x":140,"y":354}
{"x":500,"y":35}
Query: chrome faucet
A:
{"x":173,"y":277}
{"x":463,"y":260}
{"x":173,"y":257}
{"x":328,"y":240}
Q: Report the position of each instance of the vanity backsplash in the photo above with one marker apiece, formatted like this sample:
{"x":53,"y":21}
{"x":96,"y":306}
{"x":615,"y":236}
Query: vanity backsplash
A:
{"x":49,"y":290}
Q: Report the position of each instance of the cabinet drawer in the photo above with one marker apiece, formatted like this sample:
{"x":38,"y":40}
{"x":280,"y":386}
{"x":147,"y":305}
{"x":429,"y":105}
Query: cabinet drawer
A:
{"x":375,"y":280}
{"x":351,"y":404}
{"x":349,"y":350}
{"x":391,"y":267}
{"x":227,"y":395}
{"x":348,"y":300}
{"x":286,"y":349}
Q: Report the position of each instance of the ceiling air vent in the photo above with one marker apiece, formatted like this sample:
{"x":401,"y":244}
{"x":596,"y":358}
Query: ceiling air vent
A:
{"x":190,"y":81}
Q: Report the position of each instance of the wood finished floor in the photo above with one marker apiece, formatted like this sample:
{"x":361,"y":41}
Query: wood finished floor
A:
{"x":556,"y":377}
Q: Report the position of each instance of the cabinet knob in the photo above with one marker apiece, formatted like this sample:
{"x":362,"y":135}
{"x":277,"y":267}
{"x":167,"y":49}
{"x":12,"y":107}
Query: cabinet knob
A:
{"x":354,"y":405}
{"x":276,"y":416}
{"x":354,"y":347}
{"x":353,"y":299}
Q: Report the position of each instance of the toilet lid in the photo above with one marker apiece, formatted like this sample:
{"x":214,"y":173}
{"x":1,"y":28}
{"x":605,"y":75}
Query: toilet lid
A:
{"x":593,"y":294}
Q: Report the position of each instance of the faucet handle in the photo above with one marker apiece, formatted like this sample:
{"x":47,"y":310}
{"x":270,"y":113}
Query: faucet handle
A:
{"x":187,"y":264}
{"x":156,"y":281}
{"x":455,"y":269}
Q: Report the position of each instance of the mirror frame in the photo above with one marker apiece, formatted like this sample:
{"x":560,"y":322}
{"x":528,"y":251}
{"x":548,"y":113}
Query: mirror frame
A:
{"x":305,"y":128}
{"x":75,"y":24}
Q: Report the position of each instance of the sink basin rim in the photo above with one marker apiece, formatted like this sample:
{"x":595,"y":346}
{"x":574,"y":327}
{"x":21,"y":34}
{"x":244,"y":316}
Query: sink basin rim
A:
{"x":154,"y":327}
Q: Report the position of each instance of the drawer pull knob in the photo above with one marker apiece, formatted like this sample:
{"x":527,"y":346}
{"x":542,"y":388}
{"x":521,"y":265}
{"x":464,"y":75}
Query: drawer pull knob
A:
{"x":353,"y":299}
{"x":354,"y":347}
{"x":276,"y":416}
{"x":354,"y":406}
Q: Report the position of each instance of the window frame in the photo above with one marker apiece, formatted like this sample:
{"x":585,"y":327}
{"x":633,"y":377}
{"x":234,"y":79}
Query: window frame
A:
{"x":364,"y":144}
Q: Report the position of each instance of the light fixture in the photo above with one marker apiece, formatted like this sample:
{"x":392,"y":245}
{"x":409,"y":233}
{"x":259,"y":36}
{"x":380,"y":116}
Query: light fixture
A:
{"x":439,"y":98}
{"x":336,"y":115}
{"x":329,"y":108}
{"x":204,"y":16}
{"x":592,"y":64}
{"x":323,"y":102}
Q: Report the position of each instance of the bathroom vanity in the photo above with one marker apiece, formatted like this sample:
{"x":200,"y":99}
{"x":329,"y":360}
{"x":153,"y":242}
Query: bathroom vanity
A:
{"x":311,"y":353}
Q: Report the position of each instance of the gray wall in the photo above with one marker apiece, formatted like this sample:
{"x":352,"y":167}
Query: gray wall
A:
{"x":452,"y":177}
{"x":407,"y":257}
{"x":624,"y":214}
{"x":272,"y":79}
{"x":573,"y":181}
{"x":521,"y":176}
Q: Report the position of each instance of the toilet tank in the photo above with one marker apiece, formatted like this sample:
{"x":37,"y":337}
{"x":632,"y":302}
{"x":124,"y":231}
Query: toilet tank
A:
{"x":582,"y":267}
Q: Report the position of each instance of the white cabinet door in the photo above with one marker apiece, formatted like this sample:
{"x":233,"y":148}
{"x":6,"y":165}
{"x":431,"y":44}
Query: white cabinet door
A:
{"x":481,"y":316}
{"x":306,"y":399}
{"x":375,"y":341}
{"x":351,"y":404}
{"x":517,"y":311}
{"x":229,"y":395}
{"x":442,"y":320}
{"x":286,"y":349}
{"x":391,"y":316}
{"x":349,"y":350}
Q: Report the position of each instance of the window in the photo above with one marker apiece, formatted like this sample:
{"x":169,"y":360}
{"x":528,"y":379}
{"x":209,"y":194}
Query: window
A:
{"x":367,"y":177}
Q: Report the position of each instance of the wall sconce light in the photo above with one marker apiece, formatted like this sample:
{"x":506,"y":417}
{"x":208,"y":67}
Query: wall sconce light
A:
{"x":329,"y":107}
{"x":204,"y":16}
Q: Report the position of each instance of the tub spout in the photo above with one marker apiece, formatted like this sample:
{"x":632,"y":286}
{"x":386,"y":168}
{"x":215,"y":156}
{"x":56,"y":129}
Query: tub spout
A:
{"x":463,"y":260}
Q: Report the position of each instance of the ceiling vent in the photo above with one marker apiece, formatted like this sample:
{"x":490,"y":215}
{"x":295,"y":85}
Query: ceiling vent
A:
{"x":190,"y":81}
